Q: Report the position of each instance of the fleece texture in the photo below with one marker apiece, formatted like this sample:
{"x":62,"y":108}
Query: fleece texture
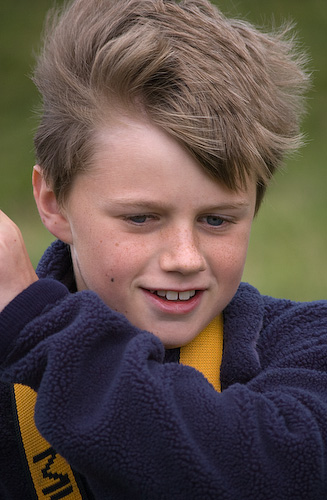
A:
{"x":136,"y":426}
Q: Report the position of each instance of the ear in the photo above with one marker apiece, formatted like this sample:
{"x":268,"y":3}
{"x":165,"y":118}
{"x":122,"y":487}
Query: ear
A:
{"x":52,"y":216}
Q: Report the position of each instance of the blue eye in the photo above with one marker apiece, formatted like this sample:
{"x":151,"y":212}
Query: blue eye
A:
{"x":214,"y":220}
{"x":138,"y":219}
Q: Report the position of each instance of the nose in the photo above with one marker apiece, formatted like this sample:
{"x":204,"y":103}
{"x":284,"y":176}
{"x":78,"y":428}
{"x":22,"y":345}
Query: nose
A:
{"x":181,"y":252}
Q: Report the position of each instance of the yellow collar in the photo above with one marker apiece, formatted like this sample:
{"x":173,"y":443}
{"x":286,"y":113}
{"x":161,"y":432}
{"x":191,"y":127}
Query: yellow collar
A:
{"x":205,"y":351}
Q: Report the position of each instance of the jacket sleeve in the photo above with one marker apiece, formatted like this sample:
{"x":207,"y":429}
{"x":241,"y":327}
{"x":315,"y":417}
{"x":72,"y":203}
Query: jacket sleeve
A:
{"x":138,"y":428}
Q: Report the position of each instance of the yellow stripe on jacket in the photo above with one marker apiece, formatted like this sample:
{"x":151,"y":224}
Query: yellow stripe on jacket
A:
{"x":52,"y":476}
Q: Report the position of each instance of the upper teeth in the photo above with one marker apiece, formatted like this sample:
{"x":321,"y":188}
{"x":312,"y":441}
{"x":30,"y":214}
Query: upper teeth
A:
{"x":172,"y":295}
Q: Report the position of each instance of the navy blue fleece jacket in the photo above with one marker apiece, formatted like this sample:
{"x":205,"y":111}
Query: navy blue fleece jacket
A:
{"x":136,"y":427}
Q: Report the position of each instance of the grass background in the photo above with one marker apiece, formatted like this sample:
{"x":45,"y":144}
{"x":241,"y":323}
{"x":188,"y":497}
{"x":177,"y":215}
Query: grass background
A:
{"x":287,"y":254}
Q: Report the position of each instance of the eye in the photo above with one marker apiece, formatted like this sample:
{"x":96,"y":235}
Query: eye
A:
{"x":214,"y":220}
{"x":138,"y":219}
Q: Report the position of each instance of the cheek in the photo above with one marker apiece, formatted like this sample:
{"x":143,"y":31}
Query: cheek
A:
{"x":119,"y":265}
{"x":228,"y":260}
{"x":114,"y":262}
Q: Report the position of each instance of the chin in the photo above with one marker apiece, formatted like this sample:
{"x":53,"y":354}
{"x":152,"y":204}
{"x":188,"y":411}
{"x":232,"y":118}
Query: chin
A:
{"x":175,"y":340}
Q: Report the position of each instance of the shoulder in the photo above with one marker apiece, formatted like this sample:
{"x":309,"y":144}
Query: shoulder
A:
{"x":282,"y":328}
{"x":248,"y":301}
{"x":260,"y":330}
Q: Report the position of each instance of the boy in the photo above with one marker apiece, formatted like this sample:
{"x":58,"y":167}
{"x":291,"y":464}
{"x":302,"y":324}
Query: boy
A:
{"x":163,"y":123}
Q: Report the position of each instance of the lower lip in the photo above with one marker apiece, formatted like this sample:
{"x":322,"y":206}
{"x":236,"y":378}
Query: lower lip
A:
{"x":178,"y":307}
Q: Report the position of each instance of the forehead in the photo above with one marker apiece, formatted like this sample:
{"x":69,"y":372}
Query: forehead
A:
{"x":136,"y":155}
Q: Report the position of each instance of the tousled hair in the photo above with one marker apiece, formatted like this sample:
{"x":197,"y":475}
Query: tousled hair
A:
{"x":229,"y":93}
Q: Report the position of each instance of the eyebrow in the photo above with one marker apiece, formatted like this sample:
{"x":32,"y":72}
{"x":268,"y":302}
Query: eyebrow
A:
{"x":153,"y":205}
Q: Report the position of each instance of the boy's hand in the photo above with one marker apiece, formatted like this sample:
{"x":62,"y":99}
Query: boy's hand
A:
{"x":16,"y":270}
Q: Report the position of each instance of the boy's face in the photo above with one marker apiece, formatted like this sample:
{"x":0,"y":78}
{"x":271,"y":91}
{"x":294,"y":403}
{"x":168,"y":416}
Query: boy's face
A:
{"x":154,"y":236}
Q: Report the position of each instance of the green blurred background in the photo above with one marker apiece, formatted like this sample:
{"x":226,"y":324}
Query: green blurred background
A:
{"x":287,"y":254}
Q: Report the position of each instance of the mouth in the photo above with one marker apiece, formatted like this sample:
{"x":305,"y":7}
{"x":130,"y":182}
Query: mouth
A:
{"x":173,"y":295}
{"x":175,"y":302}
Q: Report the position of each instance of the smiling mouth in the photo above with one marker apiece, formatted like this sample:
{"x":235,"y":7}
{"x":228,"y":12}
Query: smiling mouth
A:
{"x":173,"y":295}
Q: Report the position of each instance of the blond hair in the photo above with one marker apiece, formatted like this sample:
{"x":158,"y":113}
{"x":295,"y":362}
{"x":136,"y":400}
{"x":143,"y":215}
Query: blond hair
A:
{"x":229,"y":93}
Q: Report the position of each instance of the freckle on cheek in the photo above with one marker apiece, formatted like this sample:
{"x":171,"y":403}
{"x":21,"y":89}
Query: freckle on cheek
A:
{"x":116,"y":244}
{"x":112,"y":280}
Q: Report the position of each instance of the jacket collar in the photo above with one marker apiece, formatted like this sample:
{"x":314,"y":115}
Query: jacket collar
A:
{"x":243,"y":319}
